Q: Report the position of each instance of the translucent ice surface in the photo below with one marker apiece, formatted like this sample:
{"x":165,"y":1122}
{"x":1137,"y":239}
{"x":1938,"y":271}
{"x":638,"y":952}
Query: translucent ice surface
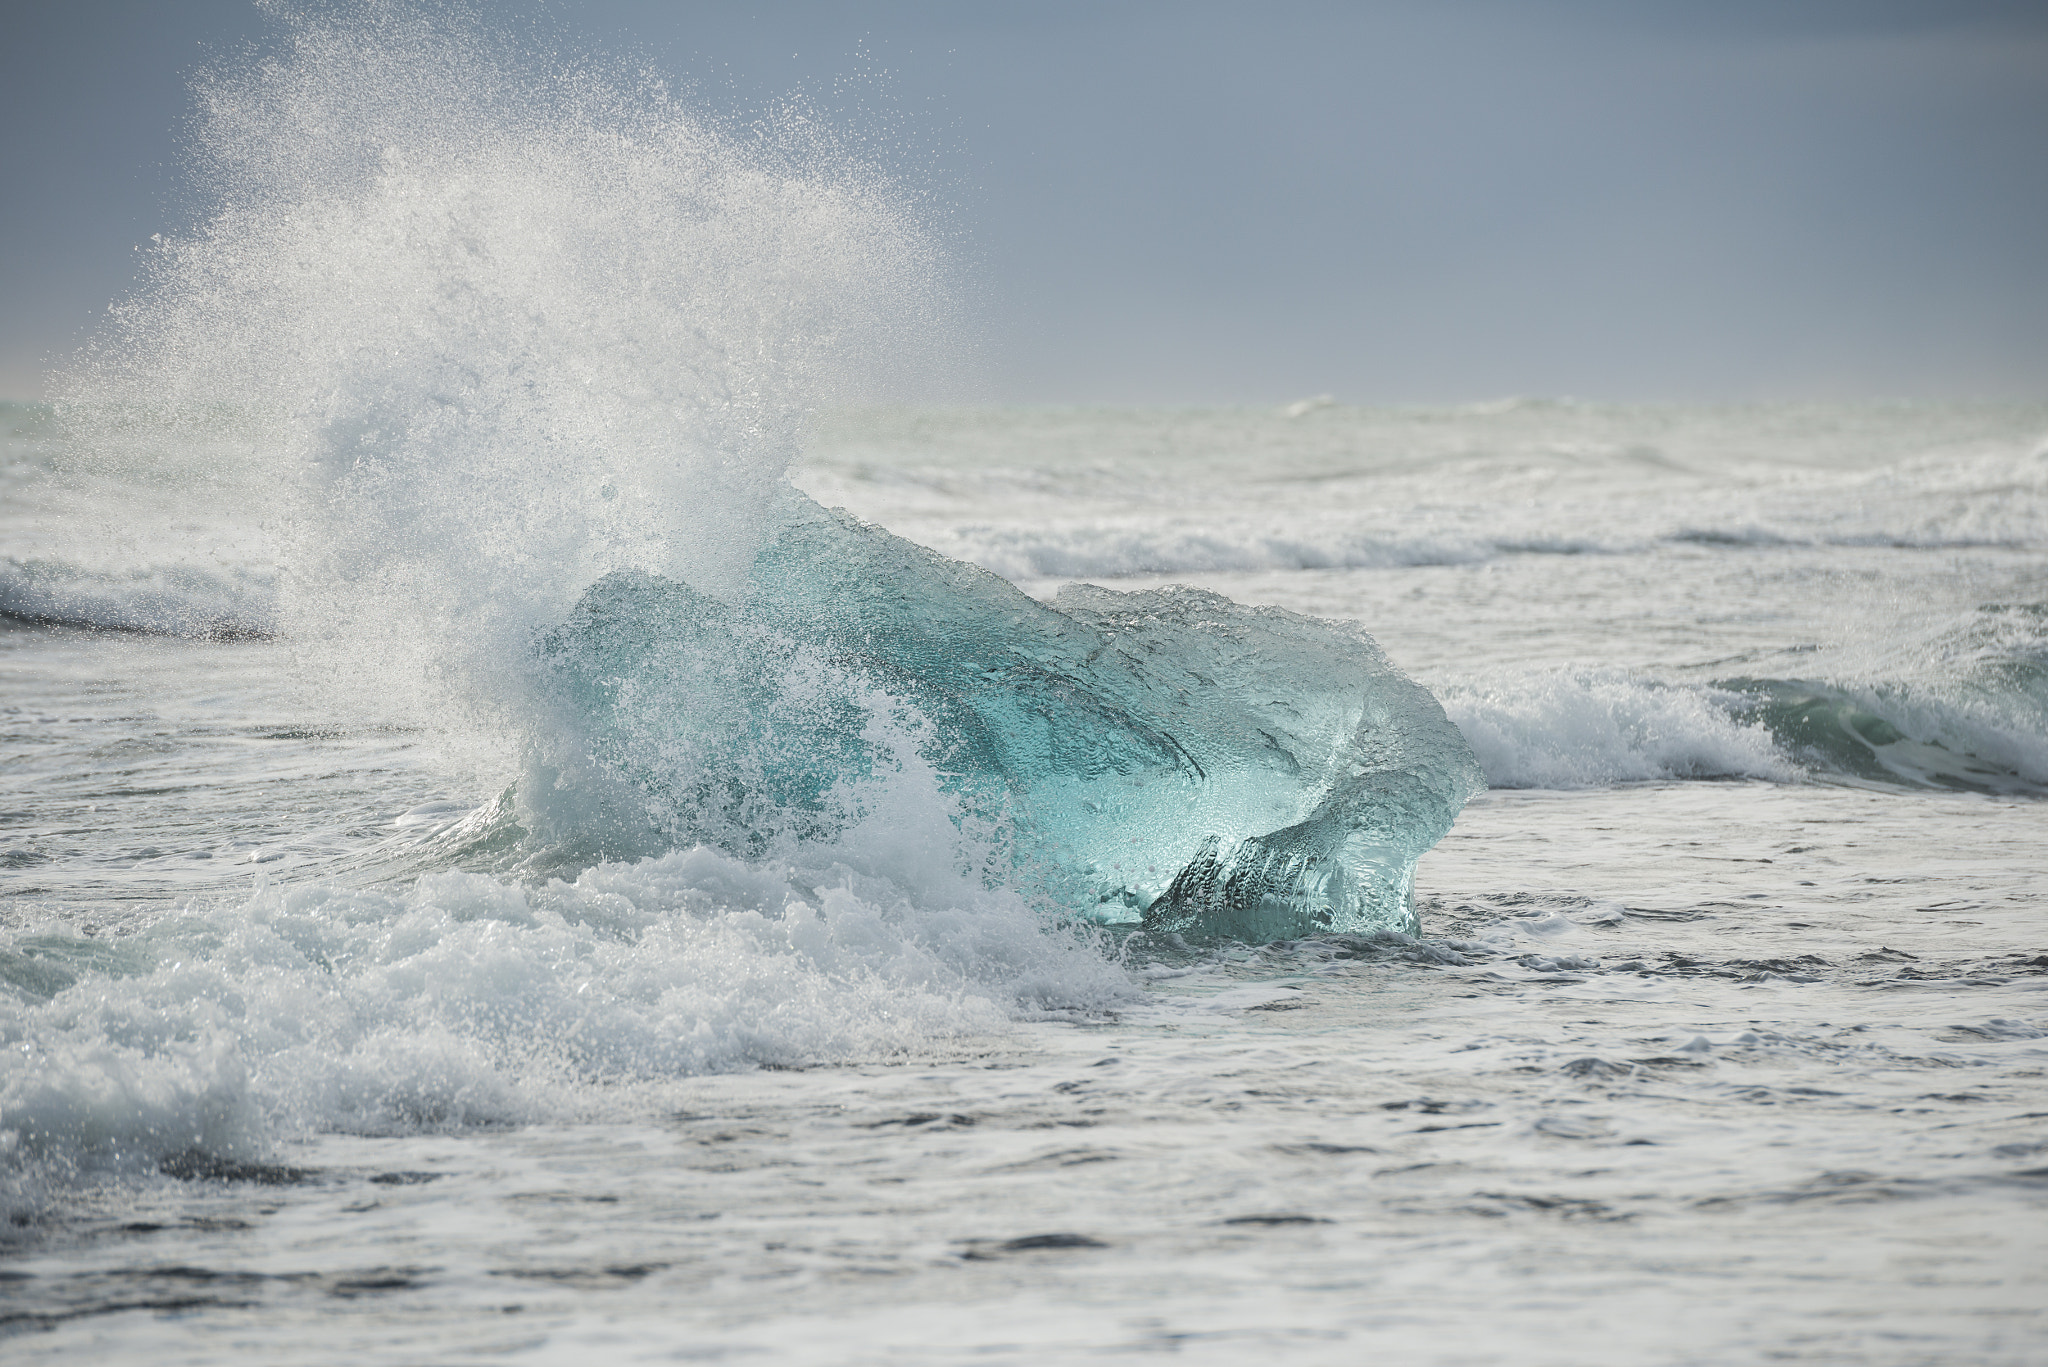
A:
{"x":1167,"y":757}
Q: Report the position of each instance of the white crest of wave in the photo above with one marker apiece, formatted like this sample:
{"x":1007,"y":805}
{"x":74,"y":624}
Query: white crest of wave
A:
{"x":174,"y":599}
{"x":1586,"y":728}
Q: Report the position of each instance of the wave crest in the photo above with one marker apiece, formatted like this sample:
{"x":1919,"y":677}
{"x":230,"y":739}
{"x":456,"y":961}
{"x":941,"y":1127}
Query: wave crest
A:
{"x":1589,"y":728}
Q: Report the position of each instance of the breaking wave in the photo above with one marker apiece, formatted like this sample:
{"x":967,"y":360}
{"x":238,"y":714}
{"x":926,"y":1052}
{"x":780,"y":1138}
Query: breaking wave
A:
{"x":467,"y":999}
{"x":1589,"y":729}
{"x":510,"y":358}
{"x":465,"y":330}
{"x":1115,"y":550}
{"x":169,"y":600}
{"x":1973,"y":717}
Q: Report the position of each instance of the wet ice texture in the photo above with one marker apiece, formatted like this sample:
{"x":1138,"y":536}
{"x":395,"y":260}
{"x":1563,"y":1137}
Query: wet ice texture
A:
{"x":1167,"y":756}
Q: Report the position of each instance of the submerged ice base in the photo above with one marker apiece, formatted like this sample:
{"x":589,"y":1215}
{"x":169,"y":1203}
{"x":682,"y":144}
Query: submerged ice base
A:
{"x":1167,"y":757}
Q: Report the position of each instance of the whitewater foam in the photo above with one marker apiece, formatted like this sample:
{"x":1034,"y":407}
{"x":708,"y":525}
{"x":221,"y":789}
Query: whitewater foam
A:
{"x":467,"y":999}
{"x":1576,"y":728}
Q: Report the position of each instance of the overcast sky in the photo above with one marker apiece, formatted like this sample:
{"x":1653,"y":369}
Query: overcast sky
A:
{"x":1188,"y":202}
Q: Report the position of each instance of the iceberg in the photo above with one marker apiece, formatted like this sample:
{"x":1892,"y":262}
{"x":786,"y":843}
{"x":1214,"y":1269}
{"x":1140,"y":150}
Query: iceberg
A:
{"x":1166,"y":758}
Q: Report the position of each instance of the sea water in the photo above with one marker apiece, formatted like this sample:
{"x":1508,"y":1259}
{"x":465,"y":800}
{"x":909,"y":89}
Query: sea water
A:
{"x":339,"y":1022}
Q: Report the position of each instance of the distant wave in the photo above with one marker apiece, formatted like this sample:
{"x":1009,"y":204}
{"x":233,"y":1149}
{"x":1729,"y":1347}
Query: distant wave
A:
{"x":160,"y":600}
{"x":1564,"y":728}
{"x":1590,"y":728}
{"x":1111,"y":551}
{"x":1964,"y":738}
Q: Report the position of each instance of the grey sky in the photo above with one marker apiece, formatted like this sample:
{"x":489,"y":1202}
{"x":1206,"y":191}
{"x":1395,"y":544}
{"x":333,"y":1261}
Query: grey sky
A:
{"x":1205,"y":202}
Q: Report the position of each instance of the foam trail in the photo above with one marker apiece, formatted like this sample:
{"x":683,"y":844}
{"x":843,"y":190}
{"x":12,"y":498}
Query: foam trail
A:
{"x":1109,"y":550}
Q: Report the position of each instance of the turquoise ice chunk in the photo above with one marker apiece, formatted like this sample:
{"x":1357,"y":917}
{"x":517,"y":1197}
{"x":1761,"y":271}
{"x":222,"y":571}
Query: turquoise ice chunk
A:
{"x":1167,"y":757}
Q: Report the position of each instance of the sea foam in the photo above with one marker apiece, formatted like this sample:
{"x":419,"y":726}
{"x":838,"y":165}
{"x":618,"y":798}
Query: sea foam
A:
{"x":1564,"y":728}
{"x":467,"y":999}
{"x":169,"y":600}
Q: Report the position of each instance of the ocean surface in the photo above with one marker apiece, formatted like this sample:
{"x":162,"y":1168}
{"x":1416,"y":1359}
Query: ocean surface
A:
{"x":1723,"y":1039}
{"x":489,"y":870}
